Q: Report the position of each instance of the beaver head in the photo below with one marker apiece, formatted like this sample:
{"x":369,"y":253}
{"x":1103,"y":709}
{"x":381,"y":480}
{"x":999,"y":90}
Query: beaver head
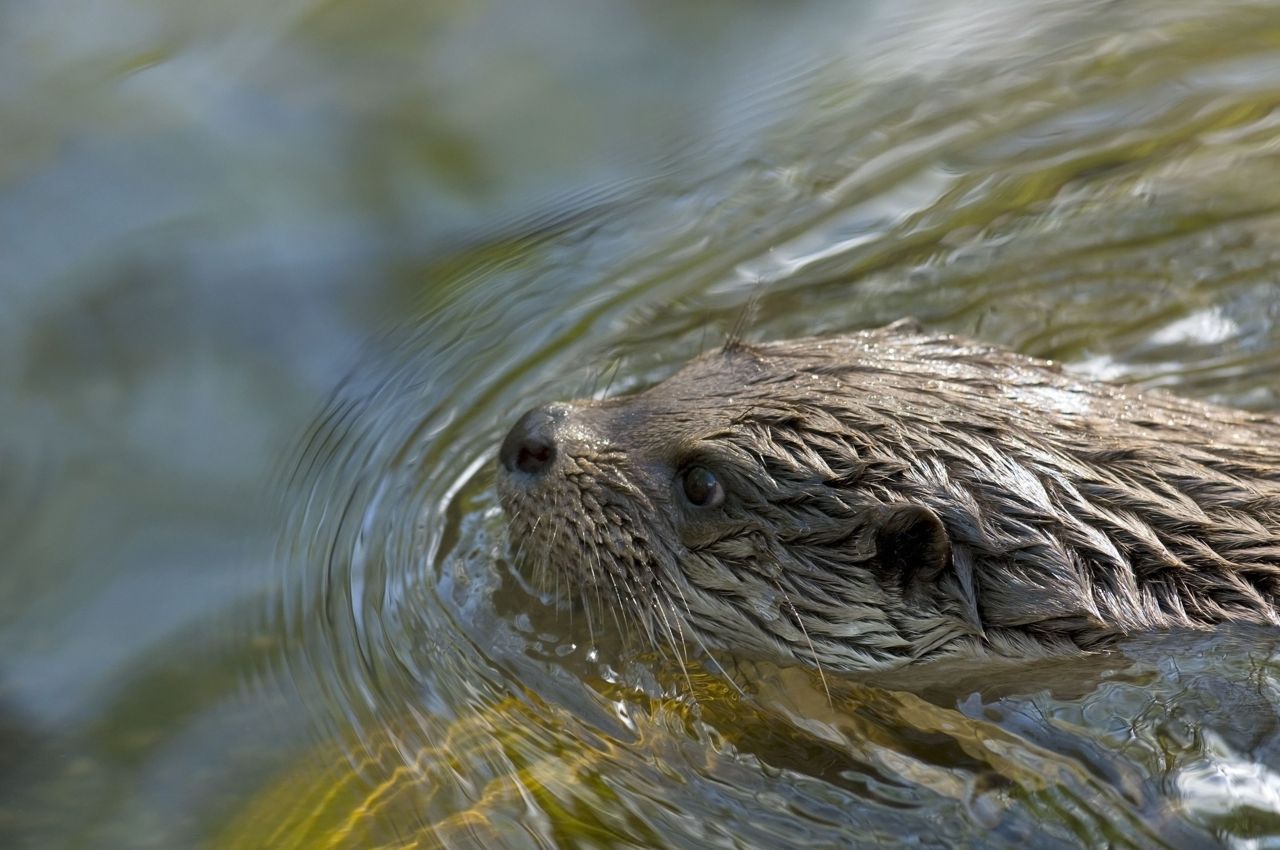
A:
{"x":863,"y":502}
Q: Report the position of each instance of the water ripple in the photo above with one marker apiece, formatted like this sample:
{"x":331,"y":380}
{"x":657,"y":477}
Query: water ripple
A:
{"x":1110,"y":203}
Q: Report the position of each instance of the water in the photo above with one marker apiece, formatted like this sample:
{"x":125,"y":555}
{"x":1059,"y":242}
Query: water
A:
{"x":241,"y":608}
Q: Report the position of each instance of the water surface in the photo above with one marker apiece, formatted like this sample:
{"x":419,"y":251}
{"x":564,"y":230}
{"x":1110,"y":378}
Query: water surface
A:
{"x":277,"y":277}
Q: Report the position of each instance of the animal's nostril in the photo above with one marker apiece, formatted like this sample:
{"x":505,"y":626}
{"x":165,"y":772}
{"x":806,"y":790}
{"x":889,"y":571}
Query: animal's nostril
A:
{"x":530,"y":446}
{"x":535,"y":456}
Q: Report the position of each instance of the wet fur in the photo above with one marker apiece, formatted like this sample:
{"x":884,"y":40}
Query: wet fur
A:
{"x":895,"y":496}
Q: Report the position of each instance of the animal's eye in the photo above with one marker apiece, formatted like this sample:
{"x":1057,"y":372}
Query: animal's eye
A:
{"x":701,"y":487}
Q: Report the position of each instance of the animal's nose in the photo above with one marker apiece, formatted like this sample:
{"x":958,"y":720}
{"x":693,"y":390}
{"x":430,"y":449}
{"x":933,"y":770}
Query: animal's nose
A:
{"x":530,"y":445}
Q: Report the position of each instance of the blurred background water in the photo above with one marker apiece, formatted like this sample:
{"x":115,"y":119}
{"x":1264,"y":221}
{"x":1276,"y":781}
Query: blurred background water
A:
{"x":275,"y":277}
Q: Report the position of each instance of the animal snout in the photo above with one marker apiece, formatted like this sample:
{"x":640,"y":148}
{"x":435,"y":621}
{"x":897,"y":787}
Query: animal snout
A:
{"x":530,"y":447}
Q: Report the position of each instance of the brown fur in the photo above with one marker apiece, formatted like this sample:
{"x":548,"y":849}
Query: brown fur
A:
{"x":892,"y":496}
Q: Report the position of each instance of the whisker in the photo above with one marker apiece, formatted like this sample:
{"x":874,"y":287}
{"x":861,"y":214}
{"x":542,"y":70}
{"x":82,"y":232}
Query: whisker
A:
{"x":671,"y":638}
{"x":617,"y":366}
{"x":518,"y":555}
{"x":736,"y":332}
{"x":701,"y":644}
{"x":559,"y":594}
{"x":813,"y":652}
{"x":645,"y":621}
{"x":596,"y":587}
{"x":586,"y":601}
{"x":624,"y":600}
{"x":614,"y":582}
{"x":558,"y":568}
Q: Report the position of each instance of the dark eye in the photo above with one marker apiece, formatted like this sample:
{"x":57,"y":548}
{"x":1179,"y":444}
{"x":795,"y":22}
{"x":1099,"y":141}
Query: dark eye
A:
{"x":701,"y":487}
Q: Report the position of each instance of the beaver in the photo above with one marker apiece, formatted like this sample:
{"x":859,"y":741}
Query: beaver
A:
{"x":867,"y":501}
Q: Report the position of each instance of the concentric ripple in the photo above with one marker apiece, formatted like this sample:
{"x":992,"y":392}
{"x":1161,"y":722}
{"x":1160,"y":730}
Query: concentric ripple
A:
{"x":1096,"y":184}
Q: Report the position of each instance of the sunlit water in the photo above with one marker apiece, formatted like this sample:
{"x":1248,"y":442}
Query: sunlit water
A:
{"x":237,"y":615}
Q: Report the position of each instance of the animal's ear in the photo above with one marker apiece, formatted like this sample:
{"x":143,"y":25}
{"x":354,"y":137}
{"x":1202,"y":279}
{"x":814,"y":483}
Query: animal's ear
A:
{"x":912,"y":545}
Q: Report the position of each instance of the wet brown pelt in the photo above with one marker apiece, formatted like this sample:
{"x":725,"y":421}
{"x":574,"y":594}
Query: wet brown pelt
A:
{"x":893,"y":496}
